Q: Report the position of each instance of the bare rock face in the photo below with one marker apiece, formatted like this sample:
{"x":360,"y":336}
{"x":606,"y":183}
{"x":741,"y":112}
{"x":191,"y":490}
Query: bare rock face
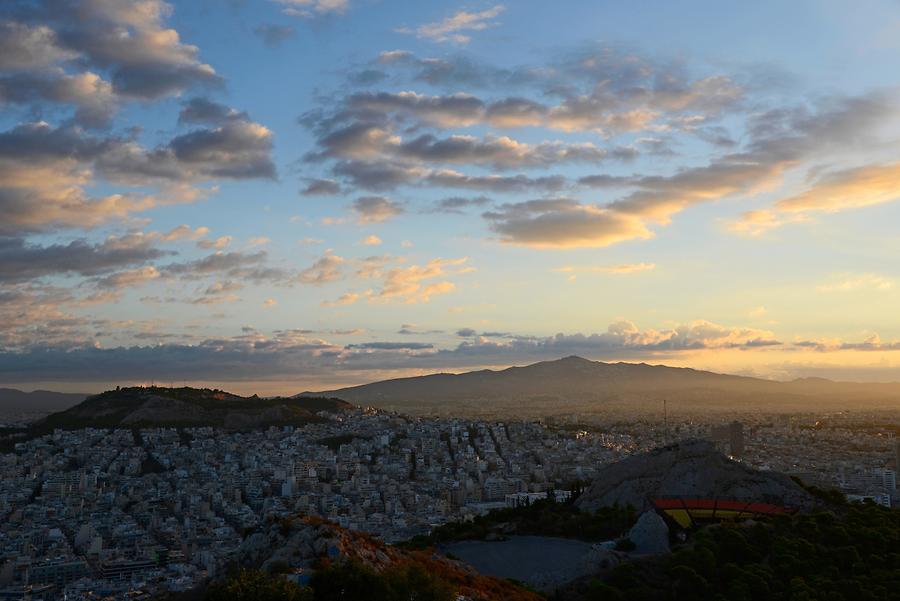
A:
{"x":650,"y":534}
{"x":691,"y":469}
{"x":301,"y":544}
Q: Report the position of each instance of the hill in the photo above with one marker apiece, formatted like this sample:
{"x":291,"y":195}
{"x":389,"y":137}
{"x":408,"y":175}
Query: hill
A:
{"x":574,"y":384}
{"x":688,"y":469}
{"x":352,"y":565}
{"x":169,"y":407}
{"x":38,"y":401}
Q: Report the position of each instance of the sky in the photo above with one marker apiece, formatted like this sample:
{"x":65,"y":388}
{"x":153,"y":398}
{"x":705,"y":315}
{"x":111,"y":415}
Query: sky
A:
{"x":273,"y":196}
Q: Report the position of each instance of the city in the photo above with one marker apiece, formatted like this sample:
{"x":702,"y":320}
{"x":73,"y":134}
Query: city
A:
{"x":96,"y":512}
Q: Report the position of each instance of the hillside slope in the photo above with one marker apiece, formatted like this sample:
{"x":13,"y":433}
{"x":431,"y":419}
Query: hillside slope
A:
{"x":688,"y":469}
{"x":156,"y":406}
{"x":304,"y":544}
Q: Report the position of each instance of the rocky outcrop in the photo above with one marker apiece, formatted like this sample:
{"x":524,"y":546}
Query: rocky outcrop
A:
{"x":650,"y":534}
{"x":304,"y":543}
{"x":691,"y":468}
{"x":300,"y":543}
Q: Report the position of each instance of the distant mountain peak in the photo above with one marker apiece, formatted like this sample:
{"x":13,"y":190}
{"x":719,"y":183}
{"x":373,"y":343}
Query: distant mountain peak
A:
{"x":575,"y":359}
{"x":575,"y":384}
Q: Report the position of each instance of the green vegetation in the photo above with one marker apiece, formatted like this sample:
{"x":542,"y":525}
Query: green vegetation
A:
{"x":852,"y":554}
{"x":334,"y":442}
{"x":253,"y":585}
{"x":345,"y":581}
{"x":403,"y":582}
{"x":151,"y":465}
{"x":541,"y":518}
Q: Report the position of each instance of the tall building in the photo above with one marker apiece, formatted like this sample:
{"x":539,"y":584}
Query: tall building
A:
{"x":731,"y":437}
{"x":897,"y":456}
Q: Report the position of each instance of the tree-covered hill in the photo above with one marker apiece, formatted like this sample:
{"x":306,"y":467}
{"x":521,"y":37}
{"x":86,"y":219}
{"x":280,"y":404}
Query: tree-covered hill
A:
{"x":156,"y":406}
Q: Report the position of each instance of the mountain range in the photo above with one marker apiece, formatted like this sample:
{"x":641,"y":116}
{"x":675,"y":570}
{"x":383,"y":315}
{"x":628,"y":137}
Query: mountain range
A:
{"x":39,"y":401}
{"x":574,"y":384}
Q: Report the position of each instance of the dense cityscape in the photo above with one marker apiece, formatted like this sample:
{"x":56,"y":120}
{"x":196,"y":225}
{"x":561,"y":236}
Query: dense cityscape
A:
{"x":93,"y":513}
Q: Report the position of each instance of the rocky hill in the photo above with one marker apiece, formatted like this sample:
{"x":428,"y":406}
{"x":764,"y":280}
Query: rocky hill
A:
{"x":574,"y":384}
{"x":157,"y":406}
{"x":305,"y":544}
{"x":693,"y":469}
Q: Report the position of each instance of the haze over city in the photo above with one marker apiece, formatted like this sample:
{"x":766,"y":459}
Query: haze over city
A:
{"x":305,"y":194}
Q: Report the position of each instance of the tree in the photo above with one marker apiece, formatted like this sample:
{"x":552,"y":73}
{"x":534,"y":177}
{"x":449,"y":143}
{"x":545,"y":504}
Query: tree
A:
{"x":254,"y":585}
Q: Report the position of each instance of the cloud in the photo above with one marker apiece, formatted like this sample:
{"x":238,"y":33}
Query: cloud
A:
{"x":451,"y":28}
{"x":146,"y":59}
{"x":285,"y":354}
{"x":345,"y":299}
{"x":326,"y":268}
{"x":847,"y":189}
{"x":757,"y":223}
{"x":457,"y":204}
{"x":391,"y":346}
{"x":563,"y":223}
{"x":377,"y":176}
{"x":321,"y":187}
{"x":624,"y":335}
{"x":44,"y":171}
{"x":312,"y":8}
{"x":623,"y":268}
{"x":218,"y":244}
{"x":851,"y":282}
{"x":234,"y":265}
{"x":371,"y":141}
{"x":376,"y":141}
{"x":604,"y":181}
{"x":410,"y":284}
{"x":92,"y":96}
{"x":204,"y":110}
{"x":448,"y":178}
{"x":825,"y":345}
{"x":184,"y":232}
{"x":128,"y":279}
{"x":500,"y":152}
{"x":780,"y":143}
{"x":273,"y":35}
{"x":234,"y":150}
{"x":238,"y":149}
{"x":387,"y":176}
{"x":24,"y":47}
{"x":452,"y":110}
{"x":375,"y":209}
{"x":371,"y":241}
{"x":219,"y":292}
{"x":833,"y":192}
{"x":34,"y":316}
{"x":411,"y":329}
{"x":758,"y":312}
{"x":649,"y":101}
{"x":23,"y":262}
